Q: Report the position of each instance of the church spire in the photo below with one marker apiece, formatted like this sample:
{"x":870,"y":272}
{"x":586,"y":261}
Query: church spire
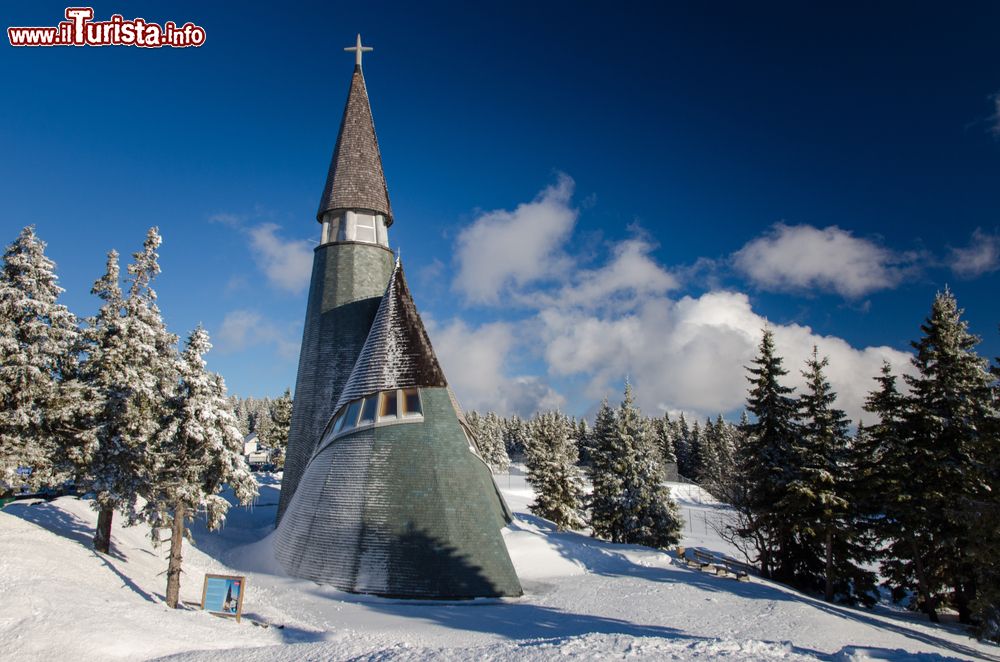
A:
{"x":355,"y":180}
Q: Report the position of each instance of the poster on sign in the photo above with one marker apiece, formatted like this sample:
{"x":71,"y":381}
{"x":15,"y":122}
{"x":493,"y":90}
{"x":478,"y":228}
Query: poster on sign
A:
{"x":223,"y":595}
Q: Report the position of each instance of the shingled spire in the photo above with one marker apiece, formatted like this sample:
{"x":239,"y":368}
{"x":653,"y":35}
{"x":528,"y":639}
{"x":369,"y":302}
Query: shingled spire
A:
{"x":355,"y":179}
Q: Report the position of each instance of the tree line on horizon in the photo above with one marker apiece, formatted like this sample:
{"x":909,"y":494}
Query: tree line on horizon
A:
{"x":110,"y":405}
{"x":814,"y":505}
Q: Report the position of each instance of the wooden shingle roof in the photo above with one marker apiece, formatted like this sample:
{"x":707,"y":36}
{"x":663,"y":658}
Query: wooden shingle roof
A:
{"x":355,"y":179}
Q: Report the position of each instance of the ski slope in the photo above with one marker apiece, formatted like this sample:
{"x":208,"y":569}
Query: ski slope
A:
{"x":584,"y":599}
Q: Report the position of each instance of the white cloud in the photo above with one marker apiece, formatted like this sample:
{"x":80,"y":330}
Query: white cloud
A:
{"x":227,"y":219}
{"x":242,"y":329}
{"x":803,"y":258}
{"x":514,"y":248}
{"x":593,"y":326}
{"x":981,"y":256}
{"x":630,"y":276}
{"x":287,"y":263}
{"x":474,"y":361}
{"x":690,"y":354}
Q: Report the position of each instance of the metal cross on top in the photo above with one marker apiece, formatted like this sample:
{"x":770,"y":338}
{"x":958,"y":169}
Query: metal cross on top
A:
{"x":358,"y":50}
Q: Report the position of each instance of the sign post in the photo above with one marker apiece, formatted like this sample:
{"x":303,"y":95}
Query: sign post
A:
{"x":223,"y":595}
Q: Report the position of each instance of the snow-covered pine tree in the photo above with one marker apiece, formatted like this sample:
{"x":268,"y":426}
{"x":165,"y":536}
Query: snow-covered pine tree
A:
{"x":766,"y":464}
{"x":281,"y":419}
{"x":515,"y":435}
{"x":43,"y":406}
{"x":882,"y":474}
{"x":262,"y":424}
{"x":819,"y":502}
{"x":985,"y":508}
{"x":682,"y":446}
{"x":550,"y":457}
{"x":710,"y":453}
{"x":474,"y":422}
{"x":695,"y":461}
{"x":239,"y":406}
{"x":605,"y":475}
{"x":582,"y":441}
{"x":491,"y":443}
{"x":649,"y":514}
{"x":950,"y":404}
{"x":132,"y":366}
{"x":197,"y":451}
{"x":663,"y":439}
{"x":727,"y":441}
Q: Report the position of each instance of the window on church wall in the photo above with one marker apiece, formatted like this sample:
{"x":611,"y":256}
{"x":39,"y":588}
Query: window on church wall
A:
{"x":368,"y":410}
{"x":411,"y":402}
{"x":381,"y":232}
{"x":365,"y":228}
{"x":351,"y":417}
{"x":387,"y":405}
{"x":379,"y":409}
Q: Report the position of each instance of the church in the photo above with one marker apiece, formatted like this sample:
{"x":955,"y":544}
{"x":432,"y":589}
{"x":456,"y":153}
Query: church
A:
{"x":384,"y":489}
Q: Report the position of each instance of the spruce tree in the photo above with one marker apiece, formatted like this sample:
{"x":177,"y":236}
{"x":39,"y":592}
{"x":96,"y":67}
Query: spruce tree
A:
{"x":766,"y":463}
{"x":949,"y":409}
{"x":663,"y":439}
{"x":242,"y":415}
{"x":131,"y":365}
{"x":682,"y":447}
{"x":694,"y":453}
{"x":281,"y":419}
{"x":820,"y":500}
{"x":582,"y":440}
{"x":709,"y":451}
{"x":514,"y":435}
{"x":605,"y":475}
{"x":984,"y":508}
{"x":263,"y":425}
{"x":197,"y":451}
{"x":883,"y":479}
{"x":491,"y":443}
{"x":550,"y":456}
{"x":649,"y":514}
{"x":718,"y":451}
{"x":43,"y":406}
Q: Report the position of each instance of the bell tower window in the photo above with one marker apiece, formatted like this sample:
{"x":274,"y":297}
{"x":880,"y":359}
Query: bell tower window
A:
{"x":365,"y":228}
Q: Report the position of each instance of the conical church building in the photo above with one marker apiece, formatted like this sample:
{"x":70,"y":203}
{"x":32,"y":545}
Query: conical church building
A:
{"x":384,"y":490}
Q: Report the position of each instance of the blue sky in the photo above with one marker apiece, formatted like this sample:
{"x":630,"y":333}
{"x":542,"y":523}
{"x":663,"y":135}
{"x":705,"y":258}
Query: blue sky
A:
{"x":581,"y":192}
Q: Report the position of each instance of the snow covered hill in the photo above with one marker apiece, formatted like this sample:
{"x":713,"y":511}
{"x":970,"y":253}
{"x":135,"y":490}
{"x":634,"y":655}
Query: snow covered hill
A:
{"x":584,"y":599}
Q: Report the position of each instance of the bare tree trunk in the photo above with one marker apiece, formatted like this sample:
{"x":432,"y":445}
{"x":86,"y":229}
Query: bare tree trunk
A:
{"x":829,"y":565}
{"x":174,"y":566}
{"x":102,"y":537}
{"x":965,"y":592}
{"x":923,"y":588}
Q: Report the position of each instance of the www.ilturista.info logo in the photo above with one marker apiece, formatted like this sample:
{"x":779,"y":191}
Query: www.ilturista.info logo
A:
{"x":79,"y":29}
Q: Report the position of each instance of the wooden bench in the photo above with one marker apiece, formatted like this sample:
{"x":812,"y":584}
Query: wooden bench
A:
{"x":721,"y":565}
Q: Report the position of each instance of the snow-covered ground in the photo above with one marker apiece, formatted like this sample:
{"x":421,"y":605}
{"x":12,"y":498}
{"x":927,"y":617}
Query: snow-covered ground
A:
{"x":583,"y":598}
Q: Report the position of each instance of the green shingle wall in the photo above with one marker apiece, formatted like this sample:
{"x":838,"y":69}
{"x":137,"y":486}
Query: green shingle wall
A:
{"x":348,"y":281}
{"x":402,"y":510}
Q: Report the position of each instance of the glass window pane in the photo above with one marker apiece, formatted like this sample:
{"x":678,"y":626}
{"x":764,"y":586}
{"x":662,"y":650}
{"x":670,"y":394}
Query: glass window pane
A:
{"x":352,"y":414}
{"x":340,"y":421}
{"x":388,"y":407}
{"x":411,"y":402}
{"x":366,"y":233}
{"x":368,"y":410}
